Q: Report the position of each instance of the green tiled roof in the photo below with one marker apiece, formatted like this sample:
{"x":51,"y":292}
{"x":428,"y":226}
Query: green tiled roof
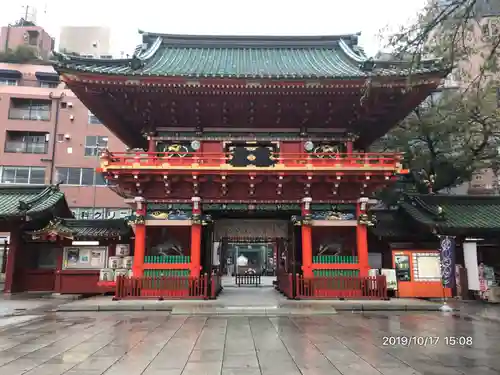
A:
{"x":243,"y":57}
{"x":388,"y":225}
{"x":454,"y":214}
{"x":394,"y":225}
{"x":86,"y":229}
{"x":20,"y":201}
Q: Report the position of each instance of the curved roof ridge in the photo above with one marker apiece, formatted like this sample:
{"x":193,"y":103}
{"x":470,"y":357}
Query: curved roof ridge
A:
{"x":150,"y":51}
{"x":73,"y":222}
{"x":27,"y":204}
{"x":456,"y":197}
{"x":258,"y":41}
{"x":417,"y":200}
{"x":351,"y":53}
{"x":62,"y":57}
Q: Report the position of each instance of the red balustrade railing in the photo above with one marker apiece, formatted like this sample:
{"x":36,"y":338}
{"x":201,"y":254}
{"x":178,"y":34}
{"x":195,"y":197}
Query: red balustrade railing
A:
{"x":285,"y":284}
{"x":348,"y":287}
{"x":163,"y":287}
{"x":218,"y":159}
{"x":292,"y":286}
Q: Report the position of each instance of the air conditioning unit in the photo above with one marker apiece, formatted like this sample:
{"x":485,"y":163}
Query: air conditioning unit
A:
{"x":69,"y":105}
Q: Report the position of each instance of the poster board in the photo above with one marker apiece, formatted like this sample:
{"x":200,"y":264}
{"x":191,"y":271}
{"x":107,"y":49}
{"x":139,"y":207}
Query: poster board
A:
{"x":416,"y":272}
{"x":85,"y":257}
{"x":426,"y":266}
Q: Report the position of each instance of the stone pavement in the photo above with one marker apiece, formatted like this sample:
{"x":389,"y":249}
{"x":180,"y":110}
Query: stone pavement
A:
{"x":21,"y":309}
{"x":477,"y":310}
{"x":156,"y":343}
{"x":13,"y":306}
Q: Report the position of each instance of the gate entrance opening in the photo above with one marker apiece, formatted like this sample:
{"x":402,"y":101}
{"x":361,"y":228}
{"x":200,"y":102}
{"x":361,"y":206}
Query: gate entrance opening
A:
{"x":258,"y":258}
{"x":251,"y":252}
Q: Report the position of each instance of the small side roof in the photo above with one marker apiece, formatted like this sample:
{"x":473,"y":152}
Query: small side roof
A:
{"x":85,"y":229}
{"x":28,"y":201}
{"x":454,"y":214}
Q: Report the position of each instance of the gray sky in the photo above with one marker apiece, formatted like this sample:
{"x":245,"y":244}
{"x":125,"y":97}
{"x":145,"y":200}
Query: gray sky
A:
{"x":254,"y":17}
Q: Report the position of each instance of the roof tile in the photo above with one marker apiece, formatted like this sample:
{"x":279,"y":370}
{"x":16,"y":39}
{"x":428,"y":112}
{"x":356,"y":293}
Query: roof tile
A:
{"x":454,"y":213}
{"x":90,"y":229}
{"x":27,"y":200}
{"x":241,"y":57}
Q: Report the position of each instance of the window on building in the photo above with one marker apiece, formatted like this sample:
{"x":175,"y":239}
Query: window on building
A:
{"x":485,"y":30}
{"x":23,"y":175}
{"x":95,"y":144}
{"x":32,"y":37}
{"x":26,"y":142}
{"x":494,"y":27}
{"x":100,"y":180}
{"x":93,"y":120}
{"x":490,"y":28}
{"x":8,"y":82}
{"x":30,"y":109}
{"x":48,"y":85}
{"x":79,"y":176}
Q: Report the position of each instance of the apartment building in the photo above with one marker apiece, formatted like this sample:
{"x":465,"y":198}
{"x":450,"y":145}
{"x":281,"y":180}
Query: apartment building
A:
{"x":26,"y":33}
{"x":484,"y":181}
{"x":485,"y":28}
{"x":48,"y":136}
{"x":89,"y":41}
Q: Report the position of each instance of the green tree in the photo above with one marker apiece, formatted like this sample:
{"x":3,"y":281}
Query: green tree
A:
{"x":456,"y":131}
{"x":448,"y":137}
{"x":20,"y":55}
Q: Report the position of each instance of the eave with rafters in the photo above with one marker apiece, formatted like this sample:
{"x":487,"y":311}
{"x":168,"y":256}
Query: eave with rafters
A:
{"x":202,"y":83}
{"x":333,"y":177}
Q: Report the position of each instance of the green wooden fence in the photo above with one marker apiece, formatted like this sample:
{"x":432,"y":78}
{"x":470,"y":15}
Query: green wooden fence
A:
{"x":167,"y":259}
{"x":333,"y":273}
{"x":335,"y":259}
{"x":160,"y":273}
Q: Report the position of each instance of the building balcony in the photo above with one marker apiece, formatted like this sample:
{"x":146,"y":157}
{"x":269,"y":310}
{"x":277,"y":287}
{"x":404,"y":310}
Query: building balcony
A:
{"x":28,"y":114}
{"x":231,"y":163}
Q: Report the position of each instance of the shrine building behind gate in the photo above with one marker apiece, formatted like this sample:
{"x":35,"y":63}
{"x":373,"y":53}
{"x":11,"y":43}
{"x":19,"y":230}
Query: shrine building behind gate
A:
{"x":249,"y":146}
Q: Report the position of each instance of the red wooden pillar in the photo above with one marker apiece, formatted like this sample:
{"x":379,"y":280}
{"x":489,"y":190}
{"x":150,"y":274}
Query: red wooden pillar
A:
{"x":151,"y":142}
{"x":59,"y":267}
{"x":11,"y":266}
{"x":362,"y":238}
{"x":140,"y":238}
{"x":196,"y":228}
{"x":306,"y":238}
{"x":349,"y":147}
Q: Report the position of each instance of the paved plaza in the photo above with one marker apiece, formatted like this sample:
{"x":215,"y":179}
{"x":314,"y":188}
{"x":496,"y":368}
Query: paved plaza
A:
{"x":158,"y":343}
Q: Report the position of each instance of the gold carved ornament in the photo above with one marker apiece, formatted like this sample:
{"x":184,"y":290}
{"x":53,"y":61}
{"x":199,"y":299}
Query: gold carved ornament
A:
{"x":327,"y":149}
{"x":177,"y":150}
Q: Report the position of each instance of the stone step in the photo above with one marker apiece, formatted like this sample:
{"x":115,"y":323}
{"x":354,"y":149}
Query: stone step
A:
{"x":251,"y":311}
